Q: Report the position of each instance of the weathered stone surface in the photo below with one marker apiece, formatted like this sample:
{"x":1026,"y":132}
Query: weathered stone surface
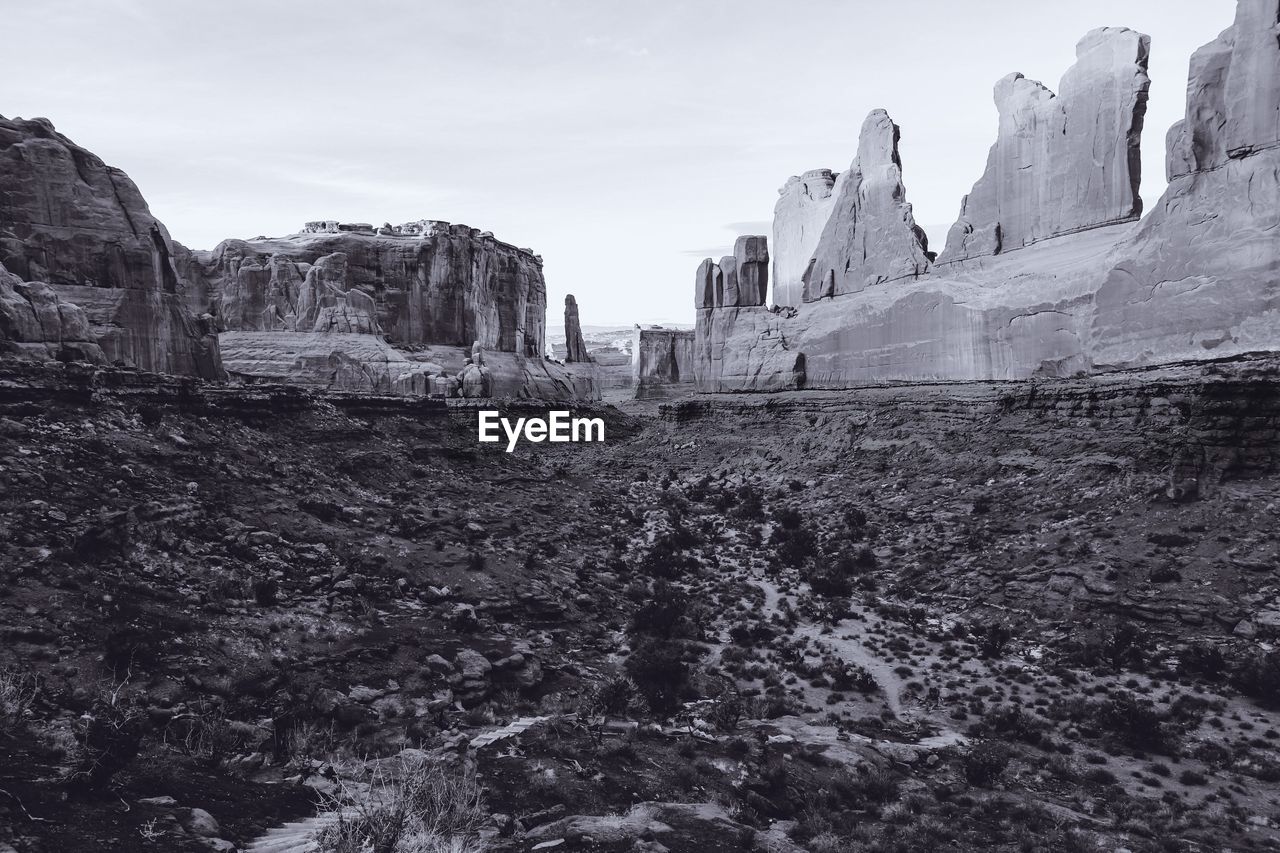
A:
{"x":575,"y":346}
{"x":36,"y":324}
{"x":799,"y":216}
{"x":71,"y":221}
{"x":871,"y":235}
{"x":737,"y":348}
{"x":1197,"y":278}
{"x":740,"y":279}
{"x":661,"y":358}
{"x":1061,"y":163}
{"x":428,"y":282}
{"x":360,"y":362}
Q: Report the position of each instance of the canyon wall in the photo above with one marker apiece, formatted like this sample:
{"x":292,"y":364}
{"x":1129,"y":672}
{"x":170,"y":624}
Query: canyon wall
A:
{"x":799,"y":216}
{"x":1076,"y":284}
{"x":81,"y":228}
{"x":425,"y":307}
{"x":871,"y":236}
{"x":1061,"y":163}
{"x":88,"y":274}
{"x":661,"y":359}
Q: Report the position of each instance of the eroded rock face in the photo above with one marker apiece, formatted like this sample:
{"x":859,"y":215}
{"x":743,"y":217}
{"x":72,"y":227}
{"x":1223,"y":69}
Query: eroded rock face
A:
{"x":35,"y":324}
{"x":871,"y":235}
{"x":799,"y":216}
{"x":661,"y":358}
{"x":1197,"y":278}
{"x":575,"y":346}
{"x":1061,"y":163}
{"x":421,"y":283}
{"x":82,"y":227}
{"x":1200,"y":276}
{"x":740,"y":279}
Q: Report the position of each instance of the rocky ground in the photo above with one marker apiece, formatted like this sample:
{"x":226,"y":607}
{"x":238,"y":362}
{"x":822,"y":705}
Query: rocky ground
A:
{"x":974,"y":617}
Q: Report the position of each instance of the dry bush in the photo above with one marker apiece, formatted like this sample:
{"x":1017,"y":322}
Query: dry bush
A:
{"x":418,"y":808}
{"x":17,"y":693}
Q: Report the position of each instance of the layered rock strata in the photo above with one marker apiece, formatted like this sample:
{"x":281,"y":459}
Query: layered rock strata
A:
{"x":871,"y":235}
{"x":70,"y":221}
{"x":36,"y":325}
{"x":1061,"y":163}
{"x":419,"y":283}
{"x":799,"y":216}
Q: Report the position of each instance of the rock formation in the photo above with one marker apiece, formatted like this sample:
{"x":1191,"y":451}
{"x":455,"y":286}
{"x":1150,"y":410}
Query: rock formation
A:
{"x":35,"y":324}
{"x":660,"y":359}
{"x":420,"y":283}
{"x":394,"y":309}
{"x":801,"y":212}
{"x":1061,"y":163}
{"x":80,"y":226}
{"x":1197,"y":278}
{"x":575,"y":346}
{"x":739,"y":280}
{"x":871,"y":235}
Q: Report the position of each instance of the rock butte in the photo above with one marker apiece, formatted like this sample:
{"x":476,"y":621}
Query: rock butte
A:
{"x":425,"y":307}
{"x":82,"y":229}
{"x":660,"y":360}
{"x":1047,"y":272}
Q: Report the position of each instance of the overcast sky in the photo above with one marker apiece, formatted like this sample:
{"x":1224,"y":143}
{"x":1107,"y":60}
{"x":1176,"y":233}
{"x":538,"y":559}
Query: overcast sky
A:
{"x":623,"y":141}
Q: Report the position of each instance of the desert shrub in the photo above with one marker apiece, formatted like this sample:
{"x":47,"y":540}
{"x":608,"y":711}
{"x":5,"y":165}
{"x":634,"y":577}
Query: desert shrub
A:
{"x":660,"y":673}
{"x":727,"y":712}
{"x":984,"y":763}
{"x":993,"y":639}
{"x":109,"y":738}
{"x":1202,"y":660}
{"x":750,"y":503}
{"x":827,"y":580}
{"x":659,"y":615}
{"x":794,"y":542}
{"x":17,"y":692}
{"x":417,"y":808}
{"x":1118,"y":646}
{"x":868,"y":788}
{"x":666,"y":557}
{"x":205,"y":734}
{"x":1134,"y":723}
{"x":612,"y":697}
{"x":1258,"y":677}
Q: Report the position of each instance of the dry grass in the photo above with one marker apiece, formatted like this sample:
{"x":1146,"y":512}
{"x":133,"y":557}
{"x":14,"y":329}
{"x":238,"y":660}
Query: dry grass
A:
{"x":420,"y":807}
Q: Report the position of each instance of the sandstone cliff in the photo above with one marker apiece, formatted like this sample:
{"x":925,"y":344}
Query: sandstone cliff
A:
{"x":80,"y":226}
{"x":426,"y":307}
{"x":871,"y":235}
{"x":661,"y":359}
{"x":35,"y":324}
{"x":1197,"y":278}
{"x":1061,"y":163}
{"x":799,"y":216}
{"x":420,"y":283}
